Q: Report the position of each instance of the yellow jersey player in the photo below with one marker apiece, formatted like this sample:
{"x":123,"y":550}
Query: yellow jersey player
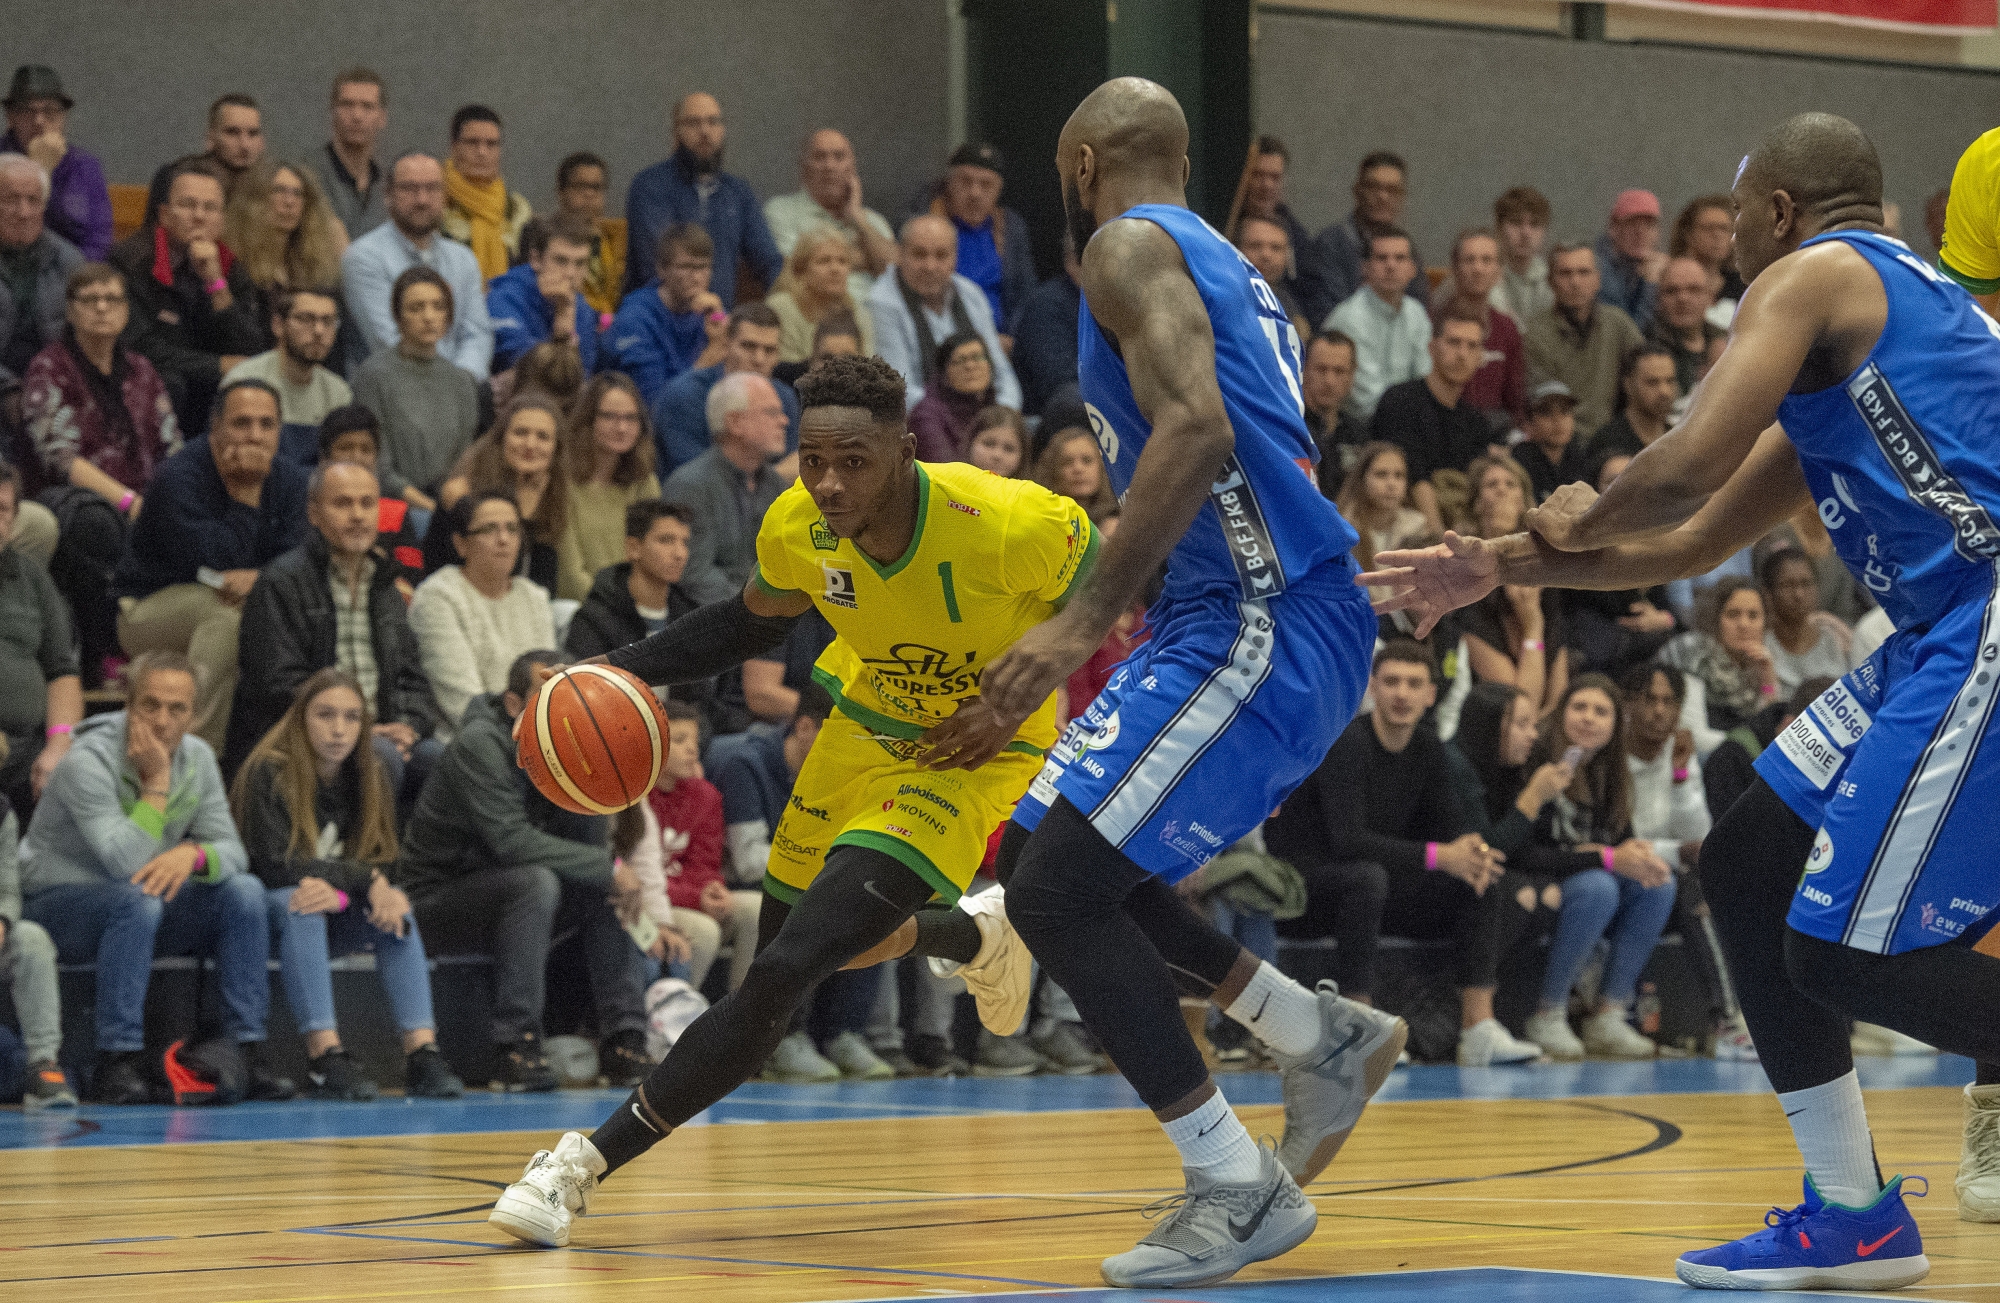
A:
{"x":927,"y":573}
{"x":1971,"y":251}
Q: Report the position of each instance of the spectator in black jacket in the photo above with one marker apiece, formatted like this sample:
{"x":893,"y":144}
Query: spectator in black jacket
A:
{"x":641,"y":595}
{"x":1382,"y":838}
{"x":192,"y":302}
{"x":216,"y":512}
{"x":332,"y":603}
{"x":493,"y":867}
{"x":1045,"y":334}
{"x":308,"y":774}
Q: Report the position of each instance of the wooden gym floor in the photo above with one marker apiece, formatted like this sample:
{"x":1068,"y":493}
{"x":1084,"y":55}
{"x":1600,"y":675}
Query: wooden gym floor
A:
{"x":916,"y":1190}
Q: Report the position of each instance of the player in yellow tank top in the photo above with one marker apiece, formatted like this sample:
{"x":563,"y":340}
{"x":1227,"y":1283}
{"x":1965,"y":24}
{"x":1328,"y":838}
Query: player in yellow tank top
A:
{"x":1971,"y":252}
{"x":927,"y":573}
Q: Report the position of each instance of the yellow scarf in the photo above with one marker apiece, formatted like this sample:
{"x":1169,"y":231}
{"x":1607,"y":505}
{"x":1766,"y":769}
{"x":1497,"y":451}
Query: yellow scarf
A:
{"x":484,"y":204}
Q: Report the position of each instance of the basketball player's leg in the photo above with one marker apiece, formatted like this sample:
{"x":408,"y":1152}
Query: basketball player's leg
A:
{"x":860,"y":897}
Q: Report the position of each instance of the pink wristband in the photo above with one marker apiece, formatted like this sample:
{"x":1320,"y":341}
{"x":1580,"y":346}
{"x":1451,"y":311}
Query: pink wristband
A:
{"x":125,"y":503}
{"x":1430,"y":855}
{"x":1681,"y":774}
{"x":200,"y":862}
{"x":1605,"y":853}
{"x":56,"y":730}
{"x":342,"y":897}
{"x":216,"y":286}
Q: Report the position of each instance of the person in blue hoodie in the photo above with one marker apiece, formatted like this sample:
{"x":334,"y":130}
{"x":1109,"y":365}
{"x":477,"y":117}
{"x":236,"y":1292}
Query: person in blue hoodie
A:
{"x":542,"y":299}
{"x":663,"y":327}
{"x":690,"y":186}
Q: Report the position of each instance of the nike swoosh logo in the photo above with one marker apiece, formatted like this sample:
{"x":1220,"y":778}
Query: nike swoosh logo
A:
{"x":1795,"y":1112}
{"x":1865,"y":1249}
{"x":869,"y":887}
{"x":1242,"y":1233}
{"x":1262,"y":1007}
{"x":1341,"y":1048}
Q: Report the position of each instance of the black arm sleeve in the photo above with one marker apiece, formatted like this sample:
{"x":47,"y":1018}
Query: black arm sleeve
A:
{"x":703,"y":643}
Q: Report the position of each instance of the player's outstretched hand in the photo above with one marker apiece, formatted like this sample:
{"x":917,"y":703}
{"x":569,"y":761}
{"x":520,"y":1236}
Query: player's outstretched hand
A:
{"x":973,"y":735}
{"x":1431,"y":582}
{"x":1020,"y":679}
{"x":1554,"y":522}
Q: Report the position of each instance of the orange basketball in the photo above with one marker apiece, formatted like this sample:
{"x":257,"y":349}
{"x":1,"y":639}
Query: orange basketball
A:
{"x":593,"y":739}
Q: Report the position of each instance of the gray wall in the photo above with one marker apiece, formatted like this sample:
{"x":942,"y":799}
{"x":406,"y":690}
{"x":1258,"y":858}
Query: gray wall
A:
{"x":569,"y":75}
{"x":1475,"y":112}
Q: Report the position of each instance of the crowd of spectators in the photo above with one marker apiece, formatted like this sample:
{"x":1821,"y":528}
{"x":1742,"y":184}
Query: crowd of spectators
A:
{"x":304,"y":476}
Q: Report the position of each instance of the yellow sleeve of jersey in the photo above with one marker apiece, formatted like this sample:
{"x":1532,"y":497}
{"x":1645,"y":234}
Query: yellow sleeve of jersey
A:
{"x":1050,"y":546}
{"x":1971,"y":252}
{"x":778,"y":542}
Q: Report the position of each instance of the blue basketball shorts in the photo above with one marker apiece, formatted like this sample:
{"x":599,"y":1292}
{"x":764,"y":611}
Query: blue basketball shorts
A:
{"x":1209,"y":725}
{"x":1898,"y":767}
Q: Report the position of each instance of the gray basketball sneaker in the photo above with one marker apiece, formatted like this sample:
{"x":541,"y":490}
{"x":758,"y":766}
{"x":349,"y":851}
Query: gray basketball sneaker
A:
{"x":1213,"y":1231}
{"x":1326,"y":1088}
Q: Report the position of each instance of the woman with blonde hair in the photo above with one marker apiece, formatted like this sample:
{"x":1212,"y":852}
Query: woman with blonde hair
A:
{"x":1375,"y":499}
{"x":319,"y":823}
{"x":281,"y":227}
{"x":520,"y":456}
{"x":609,"y":456}
{"x":813,"y":284}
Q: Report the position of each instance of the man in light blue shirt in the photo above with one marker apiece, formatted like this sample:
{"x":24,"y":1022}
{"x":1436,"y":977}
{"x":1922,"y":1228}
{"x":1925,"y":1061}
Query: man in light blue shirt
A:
{"x":922,"y":301}
{"x":1391,"y":331}
{"x":369,"y":268}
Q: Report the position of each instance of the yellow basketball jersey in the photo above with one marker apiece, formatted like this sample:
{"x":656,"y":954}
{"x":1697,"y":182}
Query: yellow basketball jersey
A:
{"x":990,"y":559}
{"x":1971,"y":252}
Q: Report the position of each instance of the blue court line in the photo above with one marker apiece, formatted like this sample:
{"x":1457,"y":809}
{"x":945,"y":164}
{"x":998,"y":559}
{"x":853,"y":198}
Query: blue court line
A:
{"x":691,"y":1257}
{"x":756,"y":1102}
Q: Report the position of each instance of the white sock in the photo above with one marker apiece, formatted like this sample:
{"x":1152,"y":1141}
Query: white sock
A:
{"x":1278,"y":1011}
{"x":1213,"y":1142}
{"x":1831,"y":1128}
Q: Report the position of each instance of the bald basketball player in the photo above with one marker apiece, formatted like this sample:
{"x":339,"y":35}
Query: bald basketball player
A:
{"x":1855,"y":878}
{"x":1190,"y":370}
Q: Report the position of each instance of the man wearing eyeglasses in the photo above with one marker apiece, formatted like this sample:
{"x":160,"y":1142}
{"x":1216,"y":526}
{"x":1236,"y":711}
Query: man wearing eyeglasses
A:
{"x":79,"y":203}
{"x":369,"y":268}
{"x":304,"y":322}
{"x":1381,"y":188}
{"x":191,"y":315}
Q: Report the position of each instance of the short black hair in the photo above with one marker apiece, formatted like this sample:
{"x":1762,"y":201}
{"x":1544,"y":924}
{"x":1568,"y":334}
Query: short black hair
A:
{"x":753,"y":314}
{"x":1339,"y":338}
{"x":1382,"y":158}
{"x":472,"y":113}
{"x":458,"y":516}
{"x":521,"y":674}
{"x":642,"y":515}
{"x":1406,"y":651}
{"x":419,"y":274}
{"x":675,"y":709}
{"x":582,"y":158}
{"x":233,"y":100}
{"x":1272,"y":145}
{"x":953,"y":343}
{"x":814,"y":703}
{"x":1638,"y":680}
{"x":346,"y":420}
{"x":865,"y":382}
{"x":248,"y":382}
{"x":281,"y":302}
{"x":1382,"y":233}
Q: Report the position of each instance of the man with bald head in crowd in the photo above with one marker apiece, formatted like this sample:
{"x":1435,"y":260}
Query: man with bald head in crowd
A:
{"x":689,"y":185}
{"x":1680,"y":320}
{"x":829,"y":194}
{"x":922,"y":301}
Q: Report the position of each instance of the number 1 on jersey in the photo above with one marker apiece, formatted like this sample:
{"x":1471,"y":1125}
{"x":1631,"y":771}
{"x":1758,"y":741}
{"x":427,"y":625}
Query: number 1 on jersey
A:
{"x":950,"y":593}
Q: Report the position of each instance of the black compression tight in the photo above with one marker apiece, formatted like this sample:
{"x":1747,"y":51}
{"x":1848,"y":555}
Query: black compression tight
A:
{"x":860,"y":897}
{"x":1750,"y":866}
{"x":1117,"y":939}
{"x":1943,"y":995}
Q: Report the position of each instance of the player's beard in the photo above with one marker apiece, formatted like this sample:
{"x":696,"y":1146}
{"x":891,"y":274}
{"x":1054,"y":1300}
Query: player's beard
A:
{"x":1082,"y":222}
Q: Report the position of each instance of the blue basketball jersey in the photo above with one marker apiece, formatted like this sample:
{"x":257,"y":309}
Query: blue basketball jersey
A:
{"x":1904,"y":458}
{"x":1265,"y":524}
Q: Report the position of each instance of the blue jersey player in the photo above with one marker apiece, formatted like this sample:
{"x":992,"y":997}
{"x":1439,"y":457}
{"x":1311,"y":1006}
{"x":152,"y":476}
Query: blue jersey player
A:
{"x":1258,"y":657}
{"x":1855,"y":878}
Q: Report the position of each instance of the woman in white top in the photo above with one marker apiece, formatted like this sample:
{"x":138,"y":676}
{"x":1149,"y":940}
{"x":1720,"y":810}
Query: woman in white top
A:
{"x":1804,"y":641}
{"x":472,"y":619}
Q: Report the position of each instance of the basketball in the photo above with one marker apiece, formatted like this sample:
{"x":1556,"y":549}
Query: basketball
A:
{"x":593,"y":739}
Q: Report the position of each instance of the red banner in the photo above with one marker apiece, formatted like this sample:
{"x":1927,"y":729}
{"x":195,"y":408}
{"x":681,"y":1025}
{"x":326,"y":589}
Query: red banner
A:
{"x":1942,"y":17}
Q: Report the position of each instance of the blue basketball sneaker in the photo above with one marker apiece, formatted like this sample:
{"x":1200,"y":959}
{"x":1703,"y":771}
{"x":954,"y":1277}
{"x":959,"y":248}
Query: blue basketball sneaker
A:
{"x":1819,"y":1245}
